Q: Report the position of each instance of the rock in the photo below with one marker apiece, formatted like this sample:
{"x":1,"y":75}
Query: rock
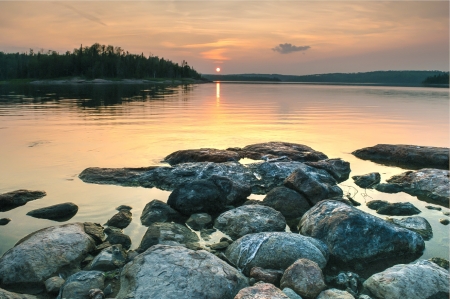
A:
{"x":199,"y":221}
{"x":59,"y":212}
{"x":235,"y":192}
{"x":269,"y":150}
{"x":250,"y":219}
{"x":117,"y":237}
{"x":4,"y":221}
{"x":444,"y":221}
{"x":291,"y":294}
{"x":45,"y":253}
{"x":205,"y":234}
{"x":202,"y":155}
{"x":266,"y":275}
{"x":443,"y":263}
{"x":261,"y":291}
{"x":167,"y":233}
{"x":417,"y":224}
{"x":419,"y":280}
{"x":338,"y":168}
{"x":335,"y":294}
{"x":219,"y":246}
{"x":14,"y":199}
{"x":346,"y":281}
{"x":108,"y":290}
{"x":121,"y":219}
{"x":109,"y":259}
{"x":53,"y":284}
{"x":124,"y":207}
{"x":275,"y":250}
{"x":446,"y":213}
{"x":96,"y":294}
{"x":305,"y":278}
{"x":314,"y":184}
{"x":158,"y":211}
{"x":367,"y":180}
{"x":433,"y":208}
{"x":407,"y":156}
{"x":95,"y":231}
{"x":174,"y":272}
{"x":79,"y":284}
{"x":355,"y":236}
{"x":430,"y":183}
{"x":394,"y":209}
{"x":4,"y":294}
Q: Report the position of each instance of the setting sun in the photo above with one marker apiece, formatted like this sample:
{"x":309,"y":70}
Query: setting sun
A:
{"x":218,"y":69}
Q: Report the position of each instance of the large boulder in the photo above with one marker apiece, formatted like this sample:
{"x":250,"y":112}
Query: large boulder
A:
{"x":408,"y":156}
{"x":355,"y":236}
{"x":250,"y":219}
{"x":59,"y":212}
{"x":202,"y":155}
{"x":261,"y":291}
{"x":4,"y":294}
{"x":45,"y":253}
{"x":14,"y":199}
{"x":174,"y":272}
{"x":158,"y":211}
{"x":275,"y":250}
{"x":420,"y":280}
{"x":338,"y":168}
{"x":79,"y":284}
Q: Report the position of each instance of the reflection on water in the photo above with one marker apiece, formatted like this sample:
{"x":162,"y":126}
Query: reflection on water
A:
{"x":49,"y":134}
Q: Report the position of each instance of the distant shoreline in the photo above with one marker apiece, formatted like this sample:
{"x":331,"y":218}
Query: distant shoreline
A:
{"x":99,"y":81}
{"x":335,"y":83}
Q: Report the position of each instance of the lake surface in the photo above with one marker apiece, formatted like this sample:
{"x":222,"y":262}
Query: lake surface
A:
{"x":49,"y":134}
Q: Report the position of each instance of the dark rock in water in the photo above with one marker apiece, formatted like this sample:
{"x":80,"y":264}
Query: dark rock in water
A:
{"x":79,"y":284}
{"x":109,"y":259}
{"x":235,"y":192}
{"x":376,"y":204}
{"x":121,"y":220}
{"x":367,"y":180}
{"x":338,"y":168}
{"x":168,"y":234}
{"x":53,"y":284}
{"x":443,"y":263}
{"x":335,"y":294}
{"x":199,"y":221}
{"x":444,"y":221}
{"x":260,"y":291}
{"x":417,"y":224}
{"x":314,"y":184}
{"x":294,"y":151}
{"x":422,"y":279}
{"x":431,"y":183}
{"x":355,"y":236}
{"x":158,"y":211}
{"x":14,"y":199}
{"x":250,"y":219}
{"x":4,"y":221}
{"x":124,"y":207}
{"x":59,"y":212}
{"x":117,"y":237}
{"x":266,"y":275}
{"x":408,"y":156}
{"x":4,"y":294}
{"x":275,"y":250}
{"x":174,"y":272}
{"x":95,"y":230}
{"x":202,"y":155}
{"x":393,"y":209}
{"x":433,"y":208}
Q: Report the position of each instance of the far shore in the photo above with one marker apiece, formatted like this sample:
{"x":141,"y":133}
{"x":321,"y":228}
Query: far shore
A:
{"x":98,"y":81}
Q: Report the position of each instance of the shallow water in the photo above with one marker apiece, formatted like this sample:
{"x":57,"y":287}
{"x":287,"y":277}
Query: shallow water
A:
{"x":49,"y":134}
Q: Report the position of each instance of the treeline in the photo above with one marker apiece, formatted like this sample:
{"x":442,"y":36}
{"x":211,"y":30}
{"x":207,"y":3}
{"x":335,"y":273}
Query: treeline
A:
{"x":96,"y":61}
{"x":437,"y":79}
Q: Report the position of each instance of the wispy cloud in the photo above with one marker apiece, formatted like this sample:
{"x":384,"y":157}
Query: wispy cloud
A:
{"x":84,"y":14}
{"x":289,"y":48}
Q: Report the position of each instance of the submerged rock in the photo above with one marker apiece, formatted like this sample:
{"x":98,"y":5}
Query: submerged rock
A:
{"x":14,"y":199}
{"x":121,"y":220}
{"x":158,"y":211}
{"x":338,"y":168}
{"x":260,"y":291}
{"x":408,"y":156}
{"x":393,"y":209}
{"x":202,"y":155}
{"x":417,"y":224}
{"x":59,"y":212}
{"x":367,"y":180}
{"x":79,"y":284}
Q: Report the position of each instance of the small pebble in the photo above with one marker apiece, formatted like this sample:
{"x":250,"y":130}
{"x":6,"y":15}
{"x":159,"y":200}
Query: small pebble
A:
{"x":444,"y":221}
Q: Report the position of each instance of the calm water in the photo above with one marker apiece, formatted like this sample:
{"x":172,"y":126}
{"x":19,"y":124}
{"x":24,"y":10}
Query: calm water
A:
{"x":49,"y":134}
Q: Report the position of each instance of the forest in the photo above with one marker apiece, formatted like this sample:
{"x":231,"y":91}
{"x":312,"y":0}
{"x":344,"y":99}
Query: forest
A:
{"x":437,"y":79}
{"x":96,"y":61}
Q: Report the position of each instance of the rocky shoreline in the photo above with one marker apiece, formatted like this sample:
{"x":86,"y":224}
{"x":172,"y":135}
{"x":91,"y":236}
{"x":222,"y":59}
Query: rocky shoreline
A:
{"x":304,"y":240}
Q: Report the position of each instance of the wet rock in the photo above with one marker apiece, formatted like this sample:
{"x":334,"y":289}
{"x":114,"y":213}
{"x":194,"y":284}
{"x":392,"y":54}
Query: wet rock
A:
{"x":158,"y":211}
{"x":443,"y":263}
{"x":417,"y":224}
{"x":14,"y":199}
{"x":199,"y":221}
{"x":79,"y":284}
{"x":45,"y":253}
{"x":419,"y":280}
{"x":275,"y":250}
{"x":250,"y":219}
{"x":53,"y":284}
{"x":4,"y":294}
{"x":59,"y":212}
{"x":4,"y":221}
{"x":266,"y":275}
{"x":109,"y":259}
{"x":394,"y":209}
{"x":353,"y":235}
{"x":338,"y":168}
{"x":335,"y":294}
{"x":174,"y":272}
{"x":117,"y":237}
{"x":407,"y":156}
{"x":121,"y":220}
{"x":95,"y":231}
{"x":291,"y":294}
{"x":305,"y":278}
{"x":431,"y":183}
{"x":444,"y":221}
{"x":261,"y":290}
{"x":367,"y":180}
{"x":202,"y":155}
{"x":167,"y":233}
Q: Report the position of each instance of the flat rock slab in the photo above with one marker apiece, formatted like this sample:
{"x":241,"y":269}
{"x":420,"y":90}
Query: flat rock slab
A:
{"x":202,"y":155}
{"x":406,"y":156}
{"x":174,"y":272}
{"x":14,"y":199}
{"x":59,"y":212}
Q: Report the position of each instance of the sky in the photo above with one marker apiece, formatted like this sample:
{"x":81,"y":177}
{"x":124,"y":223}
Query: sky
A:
{"x":283,"y":37}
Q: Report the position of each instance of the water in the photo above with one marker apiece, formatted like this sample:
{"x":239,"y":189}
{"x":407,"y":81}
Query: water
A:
{"x":49,"y":134}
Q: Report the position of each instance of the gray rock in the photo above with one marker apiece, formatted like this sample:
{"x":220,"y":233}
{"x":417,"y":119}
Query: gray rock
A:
{"x":355,"y":236}
{"x":202,"y":155}
{"x":250,"y":219}
{"x":117,"y":237}
{"x":199,"y":221}
{"x":54,"y":284}
{"x":167,"y":233}
{"x":95,"y":231}
{"x":109,"y":259}
{"x":121,"y":220}
{"x":417,"y":224}
{"x":158,"y":211}
{"x":79,"y":284}
{"x":235,"y":192}
{"x":394,"y":209}
{"x":45,"y":253}
{"x":4,"y":294}
{"x":4,"y":221}
{"x":335,"y":294}
{"x":291,"y":294}
{"x":420,"y":280}
{"x":59,"y":212}
{"x":174,"y":272}
{"x":261,"y":291}
{"x":338,"y":168}
{"x":367,"y":180}
{"x":275,"y":250}
{"x":266,"y":275}
{"x":407,"y":156}
{"x":345,"y":280}
{"x":14,"y":199}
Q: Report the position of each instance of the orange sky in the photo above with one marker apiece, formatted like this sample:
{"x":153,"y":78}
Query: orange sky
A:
{"x":243,"y":36}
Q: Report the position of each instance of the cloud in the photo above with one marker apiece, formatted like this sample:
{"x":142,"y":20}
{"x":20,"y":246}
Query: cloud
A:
{"x":289,"y":48}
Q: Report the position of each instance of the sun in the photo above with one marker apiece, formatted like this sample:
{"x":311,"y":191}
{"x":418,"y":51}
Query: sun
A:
{"x":218,"y":69}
